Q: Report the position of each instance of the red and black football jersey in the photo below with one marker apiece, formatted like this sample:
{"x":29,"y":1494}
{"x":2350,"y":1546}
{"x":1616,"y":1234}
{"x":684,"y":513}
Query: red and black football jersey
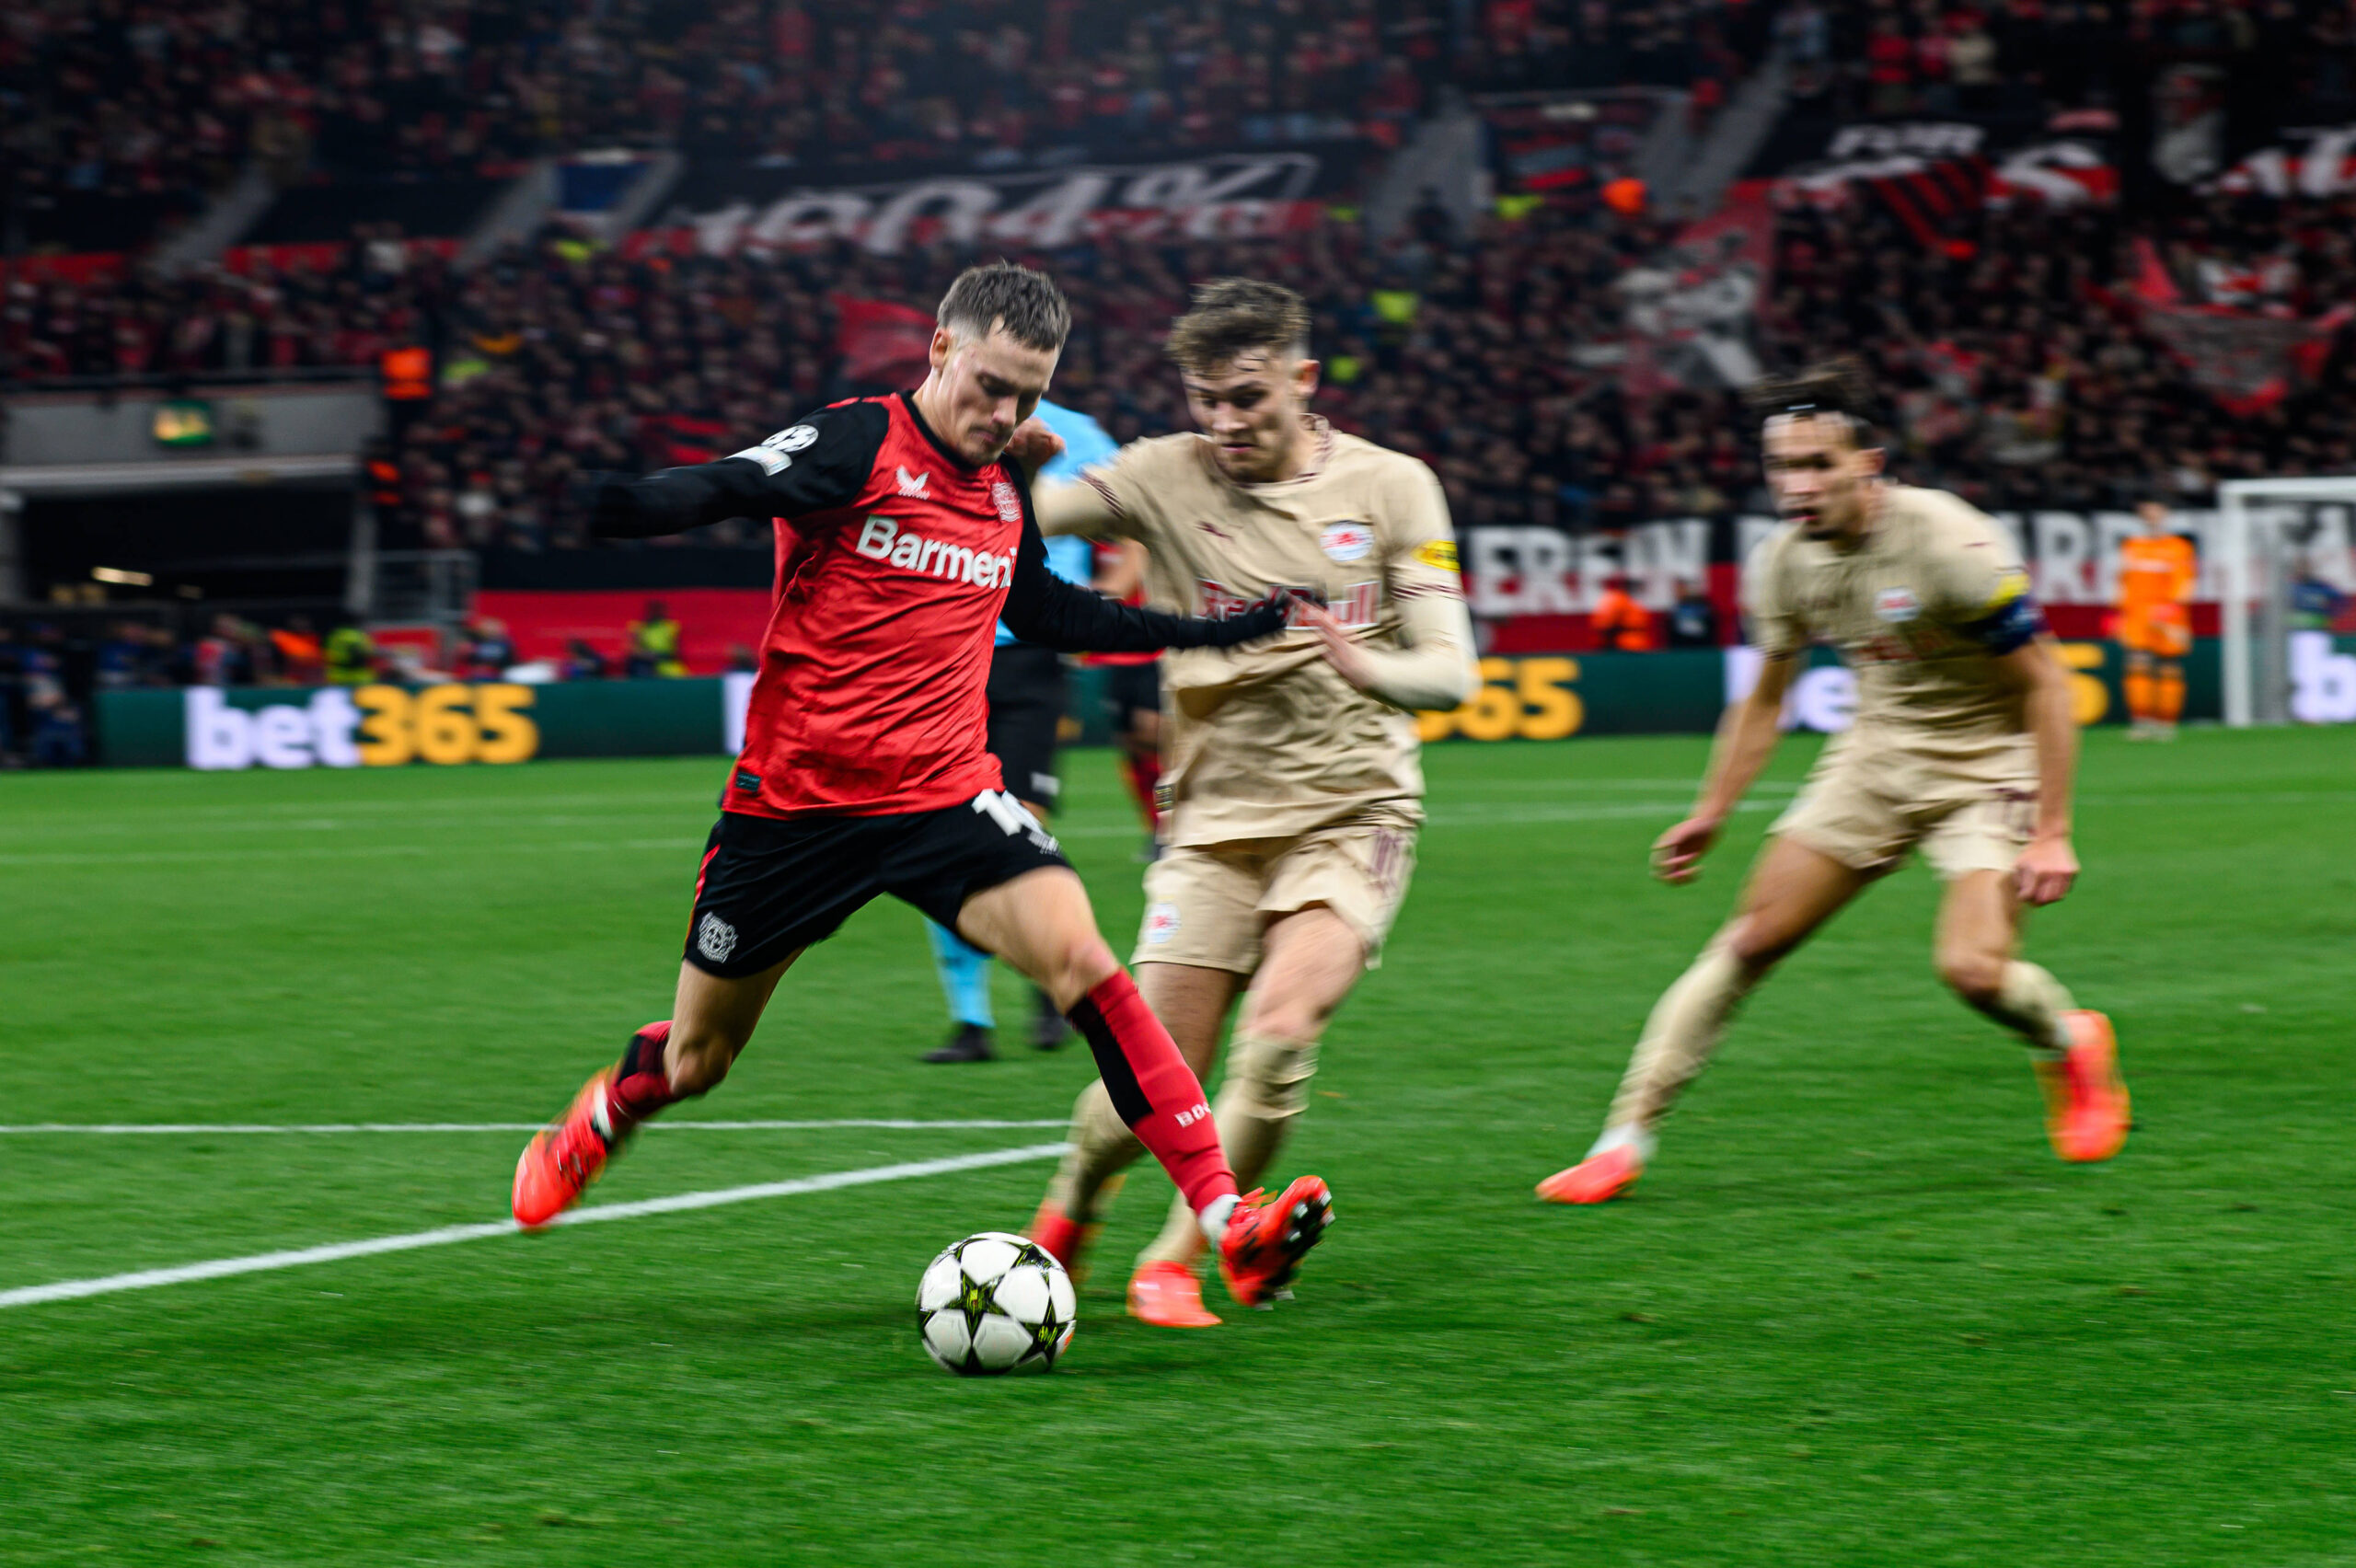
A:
{"x":899,"y":561}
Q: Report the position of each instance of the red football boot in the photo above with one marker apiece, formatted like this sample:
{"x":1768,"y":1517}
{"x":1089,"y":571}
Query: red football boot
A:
{"x":1265,"y":1241}
{"x":1168,"y":1295}
{"x":1594,"y":1179}
{"x":564,"y":1159}
{"x":2087,"y":1113}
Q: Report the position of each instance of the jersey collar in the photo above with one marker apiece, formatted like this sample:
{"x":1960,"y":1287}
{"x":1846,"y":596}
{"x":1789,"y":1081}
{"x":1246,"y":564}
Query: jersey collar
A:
{"x":908,"y":401}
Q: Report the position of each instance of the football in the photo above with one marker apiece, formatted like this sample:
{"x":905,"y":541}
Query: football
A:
{"x":995,"y":1303}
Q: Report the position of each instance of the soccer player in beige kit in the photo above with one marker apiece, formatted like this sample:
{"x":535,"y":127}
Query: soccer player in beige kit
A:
{"x":1963,"y":745}
{"x":1291,"y":784}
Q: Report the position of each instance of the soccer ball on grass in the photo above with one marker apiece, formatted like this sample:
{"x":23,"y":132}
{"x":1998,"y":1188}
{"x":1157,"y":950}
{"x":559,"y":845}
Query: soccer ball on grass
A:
{"x":995,"y":1303}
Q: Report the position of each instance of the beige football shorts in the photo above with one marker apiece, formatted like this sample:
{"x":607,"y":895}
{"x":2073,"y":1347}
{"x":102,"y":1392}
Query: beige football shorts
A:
{"x":1866,"y":807}
{"x":1208,"y":904}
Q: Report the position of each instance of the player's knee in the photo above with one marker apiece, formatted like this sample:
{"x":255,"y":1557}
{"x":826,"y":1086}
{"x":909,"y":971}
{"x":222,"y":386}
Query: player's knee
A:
{"x":1756,"y":941}
{"x":1075,"y":967}
{"x":1977,"y":977}
{"x":1289,"y":1018}
{"x":1271,"y":1074}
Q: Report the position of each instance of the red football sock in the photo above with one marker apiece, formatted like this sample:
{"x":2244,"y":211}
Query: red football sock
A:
{"x":640,"y":1087}
{"x":1143,"y":770}
{"x":1153,"y":1089}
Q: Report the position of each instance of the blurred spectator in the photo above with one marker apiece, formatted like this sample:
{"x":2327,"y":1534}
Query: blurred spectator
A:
{"x":583,"y":663}
{"x":1692,"y":620}
{"x":743,"y":661}
{"x":300,"y":660}
{"x":2315,"y":605}
{"x":485,"y":651}
{"x":1621,"y":624}
{"x":651,"y":645}
{"x":351,"y":655}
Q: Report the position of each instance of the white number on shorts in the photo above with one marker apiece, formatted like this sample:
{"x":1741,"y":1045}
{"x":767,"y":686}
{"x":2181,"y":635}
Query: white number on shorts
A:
{"x":1011,"y":818}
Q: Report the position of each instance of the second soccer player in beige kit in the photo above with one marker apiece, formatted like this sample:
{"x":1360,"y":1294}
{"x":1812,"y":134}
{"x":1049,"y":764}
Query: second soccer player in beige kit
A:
{"x":1292,"y":784}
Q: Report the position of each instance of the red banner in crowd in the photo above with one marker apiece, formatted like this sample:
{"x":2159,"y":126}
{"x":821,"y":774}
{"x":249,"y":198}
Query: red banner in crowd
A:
{"x":2244,"y":359}
{"x":1692,"y":310}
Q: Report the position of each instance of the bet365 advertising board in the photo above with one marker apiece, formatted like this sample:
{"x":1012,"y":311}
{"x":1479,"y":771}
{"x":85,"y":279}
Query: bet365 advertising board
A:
{"x":1533,"y":697}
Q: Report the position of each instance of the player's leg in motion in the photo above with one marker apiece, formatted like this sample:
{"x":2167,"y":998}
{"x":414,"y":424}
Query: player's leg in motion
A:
{"x":1041,"y":923}
{"x":1192,"y":1002}
{"x":675,"y":1059}
{"x":2072,"y":1050}
{"x":1311,"y":958}
{"x":1793,"y":890}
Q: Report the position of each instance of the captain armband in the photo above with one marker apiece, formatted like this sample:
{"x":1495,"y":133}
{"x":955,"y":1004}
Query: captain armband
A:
{"x":2011,"y":619}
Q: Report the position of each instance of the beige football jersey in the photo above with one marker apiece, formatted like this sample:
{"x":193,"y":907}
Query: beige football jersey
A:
{"x":1918,"y":611}
{"x":1268,"y":742}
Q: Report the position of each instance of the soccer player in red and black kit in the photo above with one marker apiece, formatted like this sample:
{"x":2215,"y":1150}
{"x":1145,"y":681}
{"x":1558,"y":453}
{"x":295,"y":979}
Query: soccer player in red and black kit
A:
{"x":864,"y":769}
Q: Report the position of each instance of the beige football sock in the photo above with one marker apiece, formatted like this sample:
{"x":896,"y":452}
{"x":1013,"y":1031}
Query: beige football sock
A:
{"x":2030,"y":1002}
{"x":1102,"y":1147}
{"x":1266,"y":1088}
{"x":1678,"y":1039}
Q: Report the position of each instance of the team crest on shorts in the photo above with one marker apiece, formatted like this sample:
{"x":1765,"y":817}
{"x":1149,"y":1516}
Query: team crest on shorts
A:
{"x":715,"y":938}
{"x":1008,"y":504}
{"x":1346,"y":541}
{"x":1897,"y":606}
{"x":1161,"y":923}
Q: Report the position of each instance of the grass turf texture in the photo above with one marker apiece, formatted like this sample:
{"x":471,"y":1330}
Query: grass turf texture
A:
{"x":1856,"y":1314}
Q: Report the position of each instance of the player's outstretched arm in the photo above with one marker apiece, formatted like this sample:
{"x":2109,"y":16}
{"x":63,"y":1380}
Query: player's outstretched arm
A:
{"x":1746,"y":739}
{"x":816,"y":465}
{"x":1433,"y":671}
{"x":2049,"y":867}
{"x":1042,"y":608}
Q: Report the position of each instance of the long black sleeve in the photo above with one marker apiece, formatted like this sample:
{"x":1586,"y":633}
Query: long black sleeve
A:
{"x":817,"y":465}
{"x":1042,"y":608}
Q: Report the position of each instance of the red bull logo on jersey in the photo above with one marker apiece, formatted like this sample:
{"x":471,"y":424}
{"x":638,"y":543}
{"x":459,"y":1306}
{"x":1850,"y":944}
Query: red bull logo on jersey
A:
{"x":883,"y":540}
{"x":1356,"y":606}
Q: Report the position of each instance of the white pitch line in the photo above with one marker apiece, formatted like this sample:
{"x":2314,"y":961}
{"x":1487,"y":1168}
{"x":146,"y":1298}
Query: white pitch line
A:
{"x":192,"y":1129}
{"x":263,"y":1263}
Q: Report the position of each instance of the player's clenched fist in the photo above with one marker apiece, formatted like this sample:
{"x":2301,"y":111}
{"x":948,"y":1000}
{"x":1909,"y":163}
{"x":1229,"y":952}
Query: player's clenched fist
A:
{"x":2045,"y":872}
{"x":1677,"y":854}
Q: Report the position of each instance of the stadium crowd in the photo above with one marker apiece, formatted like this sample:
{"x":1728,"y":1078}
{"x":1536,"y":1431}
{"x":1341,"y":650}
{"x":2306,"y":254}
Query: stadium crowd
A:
{"x":118,"y":98}
{"x":2020,"y":368}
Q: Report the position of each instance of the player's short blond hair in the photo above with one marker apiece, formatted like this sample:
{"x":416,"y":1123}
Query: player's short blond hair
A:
{"x":1233,"y":317}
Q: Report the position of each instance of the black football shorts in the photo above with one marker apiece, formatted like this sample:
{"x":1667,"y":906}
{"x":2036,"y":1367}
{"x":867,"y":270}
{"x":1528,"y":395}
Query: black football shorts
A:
{"x":768,"y":887}
{"x":1026,"y":698}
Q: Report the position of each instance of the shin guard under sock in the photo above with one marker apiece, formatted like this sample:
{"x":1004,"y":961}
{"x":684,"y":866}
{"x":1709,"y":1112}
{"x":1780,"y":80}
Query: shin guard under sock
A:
{"x":1153,"y":1091}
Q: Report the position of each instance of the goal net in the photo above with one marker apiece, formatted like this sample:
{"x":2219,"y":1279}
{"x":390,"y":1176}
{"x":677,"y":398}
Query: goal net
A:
{"x":2278,"y":540}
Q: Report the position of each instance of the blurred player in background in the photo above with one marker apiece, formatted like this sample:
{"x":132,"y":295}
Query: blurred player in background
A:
{"x":1026,"y":701}
{"x":1133,"y":690}
{"x":1963,"y":745}
{"x":1294,"y":787}
{"x":864,"y":770}
{"x":2156,"y":575}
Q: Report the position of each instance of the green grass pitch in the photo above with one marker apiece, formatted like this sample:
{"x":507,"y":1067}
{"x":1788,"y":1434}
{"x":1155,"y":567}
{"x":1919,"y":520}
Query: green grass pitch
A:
{"x":1857,"y":1314}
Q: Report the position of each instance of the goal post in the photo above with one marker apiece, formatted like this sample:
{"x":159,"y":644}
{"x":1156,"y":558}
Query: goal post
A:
{"x":2265,"y":528}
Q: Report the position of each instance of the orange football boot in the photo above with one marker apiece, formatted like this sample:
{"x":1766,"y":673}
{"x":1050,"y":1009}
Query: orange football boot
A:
{"x":1597,"y":1178}
{"x":1168,"y":1295}
{"x":564,"y":1159}
{"x":1265,"y":1241}
{"x":2087,"y":1114}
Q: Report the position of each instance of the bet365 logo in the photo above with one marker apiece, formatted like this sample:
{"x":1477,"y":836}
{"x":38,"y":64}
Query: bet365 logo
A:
{"x":372,"y":726}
